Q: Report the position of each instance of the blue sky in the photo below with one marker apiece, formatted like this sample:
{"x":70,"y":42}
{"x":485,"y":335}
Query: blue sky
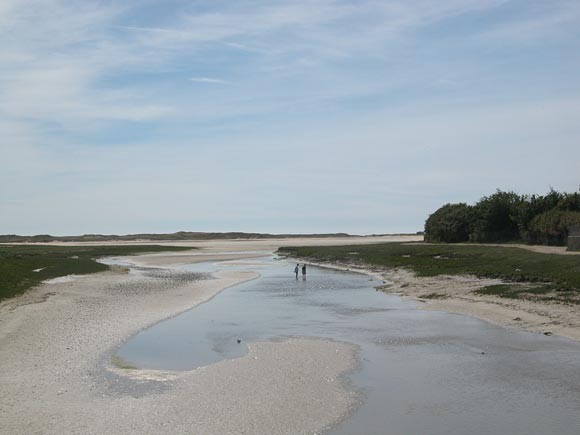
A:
{"x":280,"y":116}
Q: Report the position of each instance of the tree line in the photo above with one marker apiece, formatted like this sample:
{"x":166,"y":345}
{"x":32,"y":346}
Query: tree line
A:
{"x":507,"y":217}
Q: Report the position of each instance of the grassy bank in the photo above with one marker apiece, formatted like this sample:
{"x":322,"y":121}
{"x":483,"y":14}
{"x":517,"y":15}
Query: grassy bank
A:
{"x":528,"y":274}
{"x":22,"y":266}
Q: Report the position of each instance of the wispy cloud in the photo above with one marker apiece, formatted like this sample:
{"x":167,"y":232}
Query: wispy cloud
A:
{"x":64,"y":60}
{"x":209,"y":80}
{"x":328,"y":83}
{"x":537,"y":24}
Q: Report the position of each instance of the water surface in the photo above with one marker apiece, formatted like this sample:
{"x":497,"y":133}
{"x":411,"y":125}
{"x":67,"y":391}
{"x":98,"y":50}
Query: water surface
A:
{"x":420,"y":372}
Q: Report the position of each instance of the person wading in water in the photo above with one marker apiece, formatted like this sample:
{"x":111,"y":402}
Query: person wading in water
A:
{"x":296,"y":269}
{"x":304,"y":271}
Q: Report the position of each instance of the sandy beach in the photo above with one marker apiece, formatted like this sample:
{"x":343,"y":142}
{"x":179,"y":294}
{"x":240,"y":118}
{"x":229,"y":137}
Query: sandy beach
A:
{"x":57,"y":344}
{"x":57,"y":375}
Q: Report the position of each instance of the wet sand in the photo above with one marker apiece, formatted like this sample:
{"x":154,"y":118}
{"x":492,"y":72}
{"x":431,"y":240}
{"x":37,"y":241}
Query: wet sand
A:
{"x":457,"y":296}
{"x":57,"y":343}
{"x":419,"y":371}
{"x":533,"y":316}
{"x":56,"y":373}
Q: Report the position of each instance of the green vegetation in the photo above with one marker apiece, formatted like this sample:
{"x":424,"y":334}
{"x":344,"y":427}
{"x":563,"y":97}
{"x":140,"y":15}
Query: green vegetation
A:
{"x":554,"y":274}
{"x":450,"y":223}
{"x":502,"y":290}
{"x":552,"y":227}
{"x":24,"y":266}
{"x":434,"y":295}
{"x":506,"y":217}
{"x":545,"y":292}
{"x":122,"y":364}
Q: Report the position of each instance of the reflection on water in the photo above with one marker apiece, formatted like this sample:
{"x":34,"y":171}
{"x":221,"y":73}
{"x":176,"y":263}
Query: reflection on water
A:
{"x":421,"y":372}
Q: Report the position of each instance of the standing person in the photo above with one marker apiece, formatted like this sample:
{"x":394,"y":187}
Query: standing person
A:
{"x":304,"y":271}
{"x":296,"y":269}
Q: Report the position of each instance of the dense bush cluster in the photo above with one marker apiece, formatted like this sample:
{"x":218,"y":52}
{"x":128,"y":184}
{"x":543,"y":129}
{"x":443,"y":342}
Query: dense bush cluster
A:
{"x":507,"y":217}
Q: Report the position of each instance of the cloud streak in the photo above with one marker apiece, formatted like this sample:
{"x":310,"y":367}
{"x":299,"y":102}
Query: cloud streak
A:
{"x":249,"y":106}
{"x":209,"y":80}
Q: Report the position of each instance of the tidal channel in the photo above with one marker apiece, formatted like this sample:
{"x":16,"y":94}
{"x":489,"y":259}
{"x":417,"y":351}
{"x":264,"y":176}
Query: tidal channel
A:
{"x":420,"y":372}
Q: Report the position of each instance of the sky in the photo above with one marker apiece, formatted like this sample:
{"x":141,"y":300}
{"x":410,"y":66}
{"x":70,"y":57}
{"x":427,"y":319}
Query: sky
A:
{"x":280,"y":116}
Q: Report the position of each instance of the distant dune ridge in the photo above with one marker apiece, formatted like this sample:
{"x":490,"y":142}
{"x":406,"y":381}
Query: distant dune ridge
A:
{"x":180,"y":235}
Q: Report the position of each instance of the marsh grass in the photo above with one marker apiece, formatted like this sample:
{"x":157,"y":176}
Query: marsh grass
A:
{"x":434,"y":295}
{"x":24,"y":266}
{"x":554,"y":277}
{"x":546,"y":293}
{"x":120,"y":363}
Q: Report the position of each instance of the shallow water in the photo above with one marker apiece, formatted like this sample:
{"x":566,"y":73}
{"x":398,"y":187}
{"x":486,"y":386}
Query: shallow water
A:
{"x":421,"y":372}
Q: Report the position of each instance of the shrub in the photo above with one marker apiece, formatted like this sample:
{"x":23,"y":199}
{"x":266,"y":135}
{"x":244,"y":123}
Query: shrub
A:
{"x":507,"y":217}
{"x":552,"y":227}
{"x":569,"y":202}
{"x":449,"y":223}
{"x":496,"y":218}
